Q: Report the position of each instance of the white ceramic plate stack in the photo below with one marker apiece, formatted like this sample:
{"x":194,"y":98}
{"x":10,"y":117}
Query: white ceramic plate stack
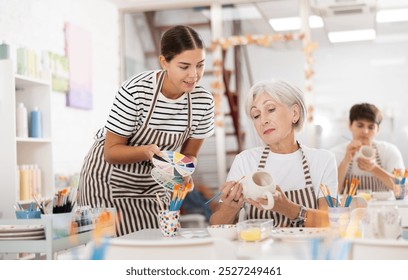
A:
{"x":22,"y":232}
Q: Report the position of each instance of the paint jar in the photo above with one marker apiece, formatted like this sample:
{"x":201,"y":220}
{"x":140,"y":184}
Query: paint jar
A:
{"x":35,"y":123}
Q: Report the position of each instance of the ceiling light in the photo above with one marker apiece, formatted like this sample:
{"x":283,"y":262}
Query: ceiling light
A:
{"x":352,"y":35}
{"x":393,"y":15}
{"x":294,"y":23}
{"x":315,"y":22}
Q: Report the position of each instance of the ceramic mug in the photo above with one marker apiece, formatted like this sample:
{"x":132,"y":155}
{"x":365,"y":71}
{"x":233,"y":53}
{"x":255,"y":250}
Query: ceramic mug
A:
{"x":366,"y":152}
{"x":381,"y":222}
{"x":260,"y":184}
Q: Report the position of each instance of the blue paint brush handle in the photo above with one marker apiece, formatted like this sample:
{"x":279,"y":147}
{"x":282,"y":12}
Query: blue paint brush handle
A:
{"x":214,"y":197}
{"x":348,"y":201}
{"x":329,"y":201}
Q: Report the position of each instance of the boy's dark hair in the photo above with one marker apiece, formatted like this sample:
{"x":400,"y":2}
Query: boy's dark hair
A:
{"x":365,"y":111}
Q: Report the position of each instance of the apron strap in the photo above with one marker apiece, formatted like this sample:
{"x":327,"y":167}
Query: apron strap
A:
{"x":159,"y":85}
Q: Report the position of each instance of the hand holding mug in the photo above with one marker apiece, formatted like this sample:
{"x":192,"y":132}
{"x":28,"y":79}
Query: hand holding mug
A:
{"x":366,"y":158}
{"x":351,"y":149}
{"x":366,"y":164}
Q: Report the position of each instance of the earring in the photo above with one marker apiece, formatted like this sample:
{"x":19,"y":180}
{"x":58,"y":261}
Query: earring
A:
{"x":294,"y":121}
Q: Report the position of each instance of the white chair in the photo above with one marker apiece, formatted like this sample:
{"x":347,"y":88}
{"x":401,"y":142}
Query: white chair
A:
{"x":170,"y":249}
{"x":378,"y":249}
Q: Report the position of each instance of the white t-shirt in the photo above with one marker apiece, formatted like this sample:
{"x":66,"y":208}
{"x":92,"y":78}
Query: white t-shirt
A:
{"x":389,"y":154}
{"x":287,"y":169}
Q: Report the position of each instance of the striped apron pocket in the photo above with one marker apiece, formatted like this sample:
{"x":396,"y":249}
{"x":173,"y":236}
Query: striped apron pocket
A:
{"x":126,"y":184}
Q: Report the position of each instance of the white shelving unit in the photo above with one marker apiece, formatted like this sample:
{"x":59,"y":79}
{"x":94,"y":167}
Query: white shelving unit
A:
{"x":48,"y":246}
{"x":20,"y":151}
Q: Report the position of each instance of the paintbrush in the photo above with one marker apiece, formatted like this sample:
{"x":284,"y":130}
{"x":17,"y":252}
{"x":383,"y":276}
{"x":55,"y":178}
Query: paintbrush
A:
{"x":219,"y":193}
{"x":159,"y":158}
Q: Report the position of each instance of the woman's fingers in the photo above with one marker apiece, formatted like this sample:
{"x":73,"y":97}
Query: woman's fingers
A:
{"x":232,"y":194}
{"x":152,"y":150}
{"x":188,"y":180}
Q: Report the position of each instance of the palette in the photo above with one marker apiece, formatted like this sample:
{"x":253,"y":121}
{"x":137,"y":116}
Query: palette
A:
{"x":165,"y":180}
{"x":174,"y":164}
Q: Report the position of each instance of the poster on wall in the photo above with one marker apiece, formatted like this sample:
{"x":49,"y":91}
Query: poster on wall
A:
{"x":79,"y":53}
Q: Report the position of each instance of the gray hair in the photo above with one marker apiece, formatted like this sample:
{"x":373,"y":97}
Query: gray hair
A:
{"x":282,"y":92}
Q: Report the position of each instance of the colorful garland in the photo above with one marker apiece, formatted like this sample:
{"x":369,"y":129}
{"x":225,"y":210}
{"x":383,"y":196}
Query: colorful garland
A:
{"x":266,"y":41}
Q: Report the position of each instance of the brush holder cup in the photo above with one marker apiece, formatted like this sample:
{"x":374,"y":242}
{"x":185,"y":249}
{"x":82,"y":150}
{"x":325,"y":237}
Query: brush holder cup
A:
{"x":169,"y":222}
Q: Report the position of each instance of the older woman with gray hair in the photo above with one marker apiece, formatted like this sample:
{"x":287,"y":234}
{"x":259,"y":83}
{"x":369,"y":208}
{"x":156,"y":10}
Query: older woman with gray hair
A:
{"x":277,"y":110}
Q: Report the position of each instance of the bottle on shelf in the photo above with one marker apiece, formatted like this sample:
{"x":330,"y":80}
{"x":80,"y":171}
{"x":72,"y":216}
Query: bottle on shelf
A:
{"x":25,"y":182}
{"x":22,"y":120}
{"x":36,"y":189}
{"x":4,"y":51}
{"x":35,"y":123}
{"x":30,"y":182}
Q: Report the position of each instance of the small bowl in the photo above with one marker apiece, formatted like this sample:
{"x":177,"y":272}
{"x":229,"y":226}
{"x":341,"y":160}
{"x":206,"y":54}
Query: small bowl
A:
{"x":26,"y":214}
{"x":382,"y":195}
{"x":223,"y":231}
{"x":254,"y":229}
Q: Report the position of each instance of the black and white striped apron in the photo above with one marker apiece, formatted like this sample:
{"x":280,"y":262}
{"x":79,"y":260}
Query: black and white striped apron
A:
{"x":367,"y":182}
{"x":304,"y":196}
{"x":129,"y":187}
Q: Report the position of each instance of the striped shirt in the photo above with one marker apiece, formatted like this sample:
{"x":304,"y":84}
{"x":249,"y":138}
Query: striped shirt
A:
{"x":134,"y":98}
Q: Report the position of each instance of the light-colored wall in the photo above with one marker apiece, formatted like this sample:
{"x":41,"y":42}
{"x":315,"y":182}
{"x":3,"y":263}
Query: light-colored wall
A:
{"x":40,"y":25}
{"x":367,"y":72}
{"x":346,"y":74}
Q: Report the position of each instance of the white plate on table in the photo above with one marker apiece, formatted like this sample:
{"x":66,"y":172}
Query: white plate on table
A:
{"x":33,"y":237}
{"x":21,"y":234}
{"x":21,"y":228}
{"x":294,"y":234}
{"x":382,"y":196}
{"x":194,"y":233}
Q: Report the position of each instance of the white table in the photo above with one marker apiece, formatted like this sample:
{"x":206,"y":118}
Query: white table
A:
{"x":390,"y":202}
{"x":266,"y":249}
